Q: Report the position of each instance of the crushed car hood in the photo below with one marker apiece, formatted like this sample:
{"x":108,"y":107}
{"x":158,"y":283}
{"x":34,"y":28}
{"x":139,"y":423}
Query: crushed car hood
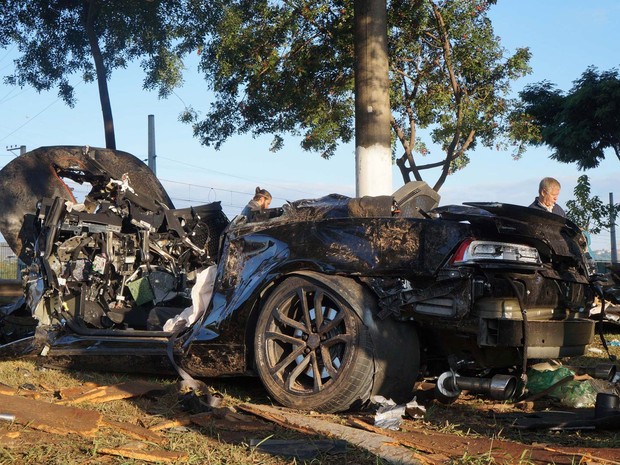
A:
{"x":38,"y":174}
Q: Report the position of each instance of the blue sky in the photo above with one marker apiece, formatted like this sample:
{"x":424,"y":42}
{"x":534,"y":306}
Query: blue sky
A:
{"x":565,"y":37}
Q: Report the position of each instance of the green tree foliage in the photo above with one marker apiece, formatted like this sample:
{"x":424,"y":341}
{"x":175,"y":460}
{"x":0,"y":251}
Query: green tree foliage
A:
{"x":287,"y":67}
{"x":61,"y":41}
{"x":280,"y":67}
{"x":590,"y":213}
{"x":579,"y":125}
{"x":451,"y":75}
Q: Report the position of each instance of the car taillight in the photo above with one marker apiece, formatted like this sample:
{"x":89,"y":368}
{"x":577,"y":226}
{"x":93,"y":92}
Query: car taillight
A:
{"x":474,"y":251}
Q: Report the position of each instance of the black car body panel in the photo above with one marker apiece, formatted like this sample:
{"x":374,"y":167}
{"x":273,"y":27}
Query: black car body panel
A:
{"x":298,"y":290}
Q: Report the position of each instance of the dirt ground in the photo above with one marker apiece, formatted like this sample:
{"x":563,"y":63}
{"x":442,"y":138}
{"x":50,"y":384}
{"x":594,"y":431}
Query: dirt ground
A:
{"x":471,"y":430}
{"x":64,"y":417}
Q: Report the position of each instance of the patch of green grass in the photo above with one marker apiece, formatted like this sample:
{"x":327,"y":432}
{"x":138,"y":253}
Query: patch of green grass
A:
{"x":488,"y":459}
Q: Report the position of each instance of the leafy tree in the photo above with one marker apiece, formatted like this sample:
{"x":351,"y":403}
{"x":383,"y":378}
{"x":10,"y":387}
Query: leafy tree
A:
{"x":287,"y":67}
{"x":579,"y":125}
{"x":59,"y":39}
{"x":590,"y":213}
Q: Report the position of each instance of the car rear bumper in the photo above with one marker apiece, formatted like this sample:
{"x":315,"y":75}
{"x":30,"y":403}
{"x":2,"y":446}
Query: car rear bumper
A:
{"x":545,"y":339}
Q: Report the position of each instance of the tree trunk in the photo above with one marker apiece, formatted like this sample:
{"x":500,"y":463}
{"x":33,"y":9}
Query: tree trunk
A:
{"x":102,"y":80}
{"x":373,"y":155}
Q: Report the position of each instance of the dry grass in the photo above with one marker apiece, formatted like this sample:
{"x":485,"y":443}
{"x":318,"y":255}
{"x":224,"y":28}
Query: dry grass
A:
{"x":469,"y":416}
{"x":204,"y":445}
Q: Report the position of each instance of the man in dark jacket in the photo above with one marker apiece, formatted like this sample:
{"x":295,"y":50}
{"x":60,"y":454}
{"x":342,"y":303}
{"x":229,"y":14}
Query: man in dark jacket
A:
{"x":548,"y":192}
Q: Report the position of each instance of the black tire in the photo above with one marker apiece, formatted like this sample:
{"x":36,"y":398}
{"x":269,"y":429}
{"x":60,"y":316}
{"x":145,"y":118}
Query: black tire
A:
{"x":310,"y":360}
{"x":397,"y":359}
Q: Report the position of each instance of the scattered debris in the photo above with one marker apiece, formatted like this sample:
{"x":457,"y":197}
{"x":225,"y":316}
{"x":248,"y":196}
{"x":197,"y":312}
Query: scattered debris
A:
{"x":157,"y":456}
{"x":184,"y":420}
{"x":388,"y":415}
{"x":75,"y":391}
{"x":357,"y":423}
{"x":101,"y":394}
{"x":382,"y":446}
{"x":561,"y":383}
{"x":7,"y":390}
{"x":301,"y":449}
{"x":564,"y":421}
{"x":415,"y":410}
{"x":135,"y":431}
{"x":236,"y":422}
{"x":52,"y":418}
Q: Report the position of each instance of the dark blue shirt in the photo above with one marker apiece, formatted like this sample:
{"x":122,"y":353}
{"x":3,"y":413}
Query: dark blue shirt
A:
{"x":556,"y":208}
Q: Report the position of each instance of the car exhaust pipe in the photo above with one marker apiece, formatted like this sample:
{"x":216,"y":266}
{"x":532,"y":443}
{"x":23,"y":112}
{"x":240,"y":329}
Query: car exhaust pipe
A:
{"x":606,"y":371}
{"x":449,"y":386}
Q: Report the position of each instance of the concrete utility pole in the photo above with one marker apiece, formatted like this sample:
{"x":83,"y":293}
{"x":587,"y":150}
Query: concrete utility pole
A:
{"x":22,"y":149}
{"x":612,"y":230}
{"x":373,"y":156}
{"x":151,"y":144}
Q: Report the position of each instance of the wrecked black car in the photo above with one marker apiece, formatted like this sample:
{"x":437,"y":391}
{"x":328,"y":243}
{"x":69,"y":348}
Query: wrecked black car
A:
{"x":329,"y":301}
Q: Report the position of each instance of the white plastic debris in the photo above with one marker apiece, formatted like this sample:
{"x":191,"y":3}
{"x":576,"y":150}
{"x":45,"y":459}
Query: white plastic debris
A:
{"x":389,"y":415}
{"x":201,"y":296}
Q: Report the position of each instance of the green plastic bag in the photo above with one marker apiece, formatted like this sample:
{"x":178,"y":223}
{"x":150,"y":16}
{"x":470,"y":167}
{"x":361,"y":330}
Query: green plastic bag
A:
{"x":574,"y":394}
{"x":539,"y":380}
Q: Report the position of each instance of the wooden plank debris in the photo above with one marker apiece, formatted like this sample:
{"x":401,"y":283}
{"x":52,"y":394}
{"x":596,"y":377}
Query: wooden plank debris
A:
{"x":11,"y":391}
{"x":585,"y":458}
{"x":52,"y":418}
{"x":135,"y":431}
{"x":382,"y":446}
{"x":75,"y":391}
{"x":229,"y":424}
{"x":7,"y":390}
{"x":120,"y":391}
{"x":155,"y":456}
{"x":218,"y":418}
{"x":172,"y":423}
{"x":357,"y":423}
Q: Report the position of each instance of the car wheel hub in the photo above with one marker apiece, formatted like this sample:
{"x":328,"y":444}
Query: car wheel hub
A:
{"x":313,"y":341}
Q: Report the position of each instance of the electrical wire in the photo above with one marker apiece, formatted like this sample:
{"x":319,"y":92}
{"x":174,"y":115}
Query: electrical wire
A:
{"x":29,"y":120}
{"x":233,"y":176}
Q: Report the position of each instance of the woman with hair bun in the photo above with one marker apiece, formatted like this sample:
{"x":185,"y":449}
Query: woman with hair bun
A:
{"x":260,"y":201}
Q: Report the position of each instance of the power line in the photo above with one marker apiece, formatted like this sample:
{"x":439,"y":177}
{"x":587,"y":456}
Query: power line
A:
{"x":35,"y":116}
{"x":79,"y":191}
{"x":30,"y":120}
{"x":9,"y":97}
{"x":233,"y":176}
{"x":230,"y":191}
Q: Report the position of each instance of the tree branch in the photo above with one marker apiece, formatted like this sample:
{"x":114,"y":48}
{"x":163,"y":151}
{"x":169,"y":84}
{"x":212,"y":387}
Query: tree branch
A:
{"x":447,"y":53}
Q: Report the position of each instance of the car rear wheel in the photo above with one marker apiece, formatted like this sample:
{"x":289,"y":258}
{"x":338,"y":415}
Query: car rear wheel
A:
{"x":318,"y":347}
{"x":313,"y":351}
